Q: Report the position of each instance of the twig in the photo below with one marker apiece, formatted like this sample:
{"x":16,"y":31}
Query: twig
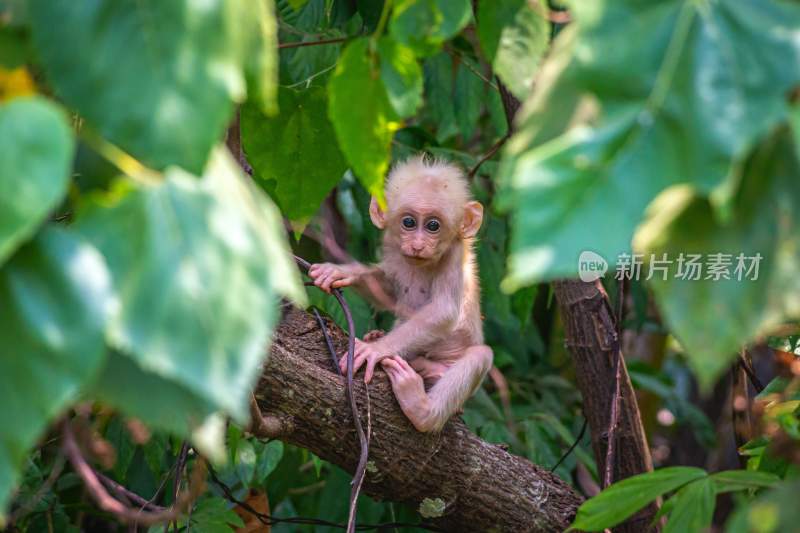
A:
{"x":300,"y":44}
{"x":128,"y":494}
{"x":751,"y":375}
{"x":27,"y":507}
{"x":574,"y":445}
{"x":108,"y":503}
{"x":488,"y":155}
{"x":328,"y":340}
{"x":180,"y":464}
{"x":361,"y":469}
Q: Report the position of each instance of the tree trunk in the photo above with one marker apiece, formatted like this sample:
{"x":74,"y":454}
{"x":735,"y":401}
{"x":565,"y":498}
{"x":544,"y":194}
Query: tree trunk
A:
{"x":457,"y":481}
{"x":590,"y":331}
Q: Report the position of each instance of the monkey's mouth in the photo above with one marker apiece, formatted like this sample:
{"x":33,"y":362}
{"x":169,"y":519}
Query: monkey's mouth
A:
{"x":416,"y":258}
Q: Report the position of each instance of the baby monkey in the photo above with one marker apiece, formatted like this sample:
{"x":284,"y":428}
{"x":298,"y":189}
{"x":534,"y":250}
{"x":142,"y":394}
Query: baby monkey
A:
{"x":434,"y":355}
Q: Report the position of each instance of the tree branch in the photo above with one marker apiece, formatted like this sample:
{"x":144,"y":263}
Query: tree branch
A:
{"x":455,"y":479}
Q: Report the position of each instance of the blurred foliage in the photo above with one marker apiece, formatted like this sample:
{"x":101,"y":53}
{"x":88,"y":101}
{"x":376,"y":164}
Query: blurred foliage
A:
{"x":141,"y":269}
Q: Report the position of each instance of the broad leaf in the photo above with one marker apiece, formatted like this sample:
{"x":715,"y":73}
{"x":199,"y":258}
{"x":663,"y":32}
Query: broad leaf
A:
{"x":468,"y":98}
{"x":362,"y":115}
{"x":664,"y":128}
{"x":36,"y":149}
{"x":693,"y":507}
{"x":624,"y":498}
{"x":269,"y":455}
{"x":198,"y":265}
{"x":425,"y":24}
{"x":164,"y":82}
{"x":401,"y":75}
{"x":514,"y":36}
{"x":439,"y":95}
{"x":296,"y":151}
{"x":713,"y":316}
{"x":54,"y":297}
{"x":733,"y":480}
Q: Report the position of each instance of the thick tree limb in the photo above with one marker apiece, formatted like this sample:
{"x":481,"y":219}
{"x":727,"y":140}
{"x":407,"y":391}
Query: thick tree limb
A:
{"x":458,"y":481}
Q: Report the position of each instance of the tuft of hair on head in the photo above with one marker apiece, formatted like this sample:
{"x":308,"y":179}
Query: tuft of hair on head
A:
{"x":435,"y":177}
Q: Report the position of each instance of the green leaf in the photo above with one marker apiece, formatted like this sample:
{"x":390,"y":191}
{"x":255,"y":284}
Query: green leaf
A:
{"x":245,"y":462}
{"x":733,"y":480}
{"x":693,"y":508}
{"x":662,"y":113}
{"x":401,"y":75}
{"x":425,"y":24}
{"x":468,"y":98}
{"x":514,"y":36}
{"x":54,"y":297}
{"x":36,"y":150}
{"x":624,"y":498}
{"x":198,"y":265}
{"x":14,"y":46}
{"x":364,"y":130}
{"x":269,"y":455}
{"x":439,"y":95}
{"x":163,"y":76}
{"x":214,"y":515}
{"x":711,"y":317}
{"x":296,"y":150}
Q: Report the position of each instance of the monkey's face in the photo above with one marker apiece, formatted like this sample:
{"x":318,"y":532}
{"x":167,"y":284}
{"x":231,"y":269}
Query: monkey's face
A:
{"x":422,"y":235}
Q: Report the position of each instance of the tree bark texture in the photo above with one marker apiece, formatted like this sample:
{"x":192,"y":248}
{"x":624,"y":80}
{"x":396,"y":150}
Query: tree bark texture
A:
{"x":590,"y":336}
{"x":457,"y":481}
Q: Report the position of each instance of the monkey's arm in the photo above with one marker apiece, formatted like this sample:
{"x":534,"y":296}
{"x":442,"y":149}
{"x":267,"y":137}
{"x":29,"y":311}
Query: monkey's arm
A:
{"x":368,"y":280}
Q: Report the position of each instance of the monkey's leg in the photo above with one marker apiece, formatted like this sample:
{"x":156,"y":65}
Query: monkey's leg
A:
{"x":429,"y":411}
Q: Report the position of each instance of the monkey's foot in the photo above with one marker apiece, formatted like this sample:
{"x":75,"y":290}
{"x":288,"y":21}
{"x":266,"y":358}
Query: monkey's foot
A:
{"x":373,"y":335}
{"x":409,"y":389}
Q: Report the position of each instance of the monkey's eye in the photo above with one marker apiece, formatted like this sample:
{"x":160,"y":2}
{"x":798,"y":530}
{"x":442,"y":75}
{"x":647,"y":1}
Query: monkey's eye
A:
{"x":433,"y":225}
{"x":409,"y":222}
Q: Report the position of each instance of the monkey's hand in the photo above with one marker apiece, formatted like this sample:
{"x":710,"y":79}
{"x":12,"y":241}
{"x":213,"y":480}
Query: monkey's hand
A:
{"x":328,"y":276}
{"x":367,"y":352}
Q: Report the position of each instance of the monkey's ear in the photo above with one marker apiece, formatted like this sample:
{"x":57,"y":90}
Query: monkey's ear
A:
{"x":473,"y":217}
{"x":375,"y":213}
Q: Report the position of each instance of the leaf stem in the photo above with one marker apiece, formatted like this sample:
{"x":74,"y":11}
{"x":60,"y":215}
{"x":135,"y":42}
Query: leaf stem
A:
{"x":129,"y":166}
{"x":387,"y":7}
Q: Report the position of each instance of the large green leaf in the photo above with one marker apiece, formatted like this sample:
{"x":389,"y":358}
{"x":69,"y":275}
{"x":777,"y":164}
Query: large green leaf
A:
{"x":36,"y":149}
{"x":401,"y":75}
{"x":693,"y":507}
{"x":425,"y":24}
{"x":54,"y":297}
{"x":162,"y":76}
{"x":198,"y":265}
{"x":713,"y":316}
{"x":439,"y":95}
{"x":362,"y":115}
{"x":679,"y":94}
{"x":514,"y":36}
{"x":624,"y":498}
{"x":468,"y":98}
{"x":295,"y":150}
